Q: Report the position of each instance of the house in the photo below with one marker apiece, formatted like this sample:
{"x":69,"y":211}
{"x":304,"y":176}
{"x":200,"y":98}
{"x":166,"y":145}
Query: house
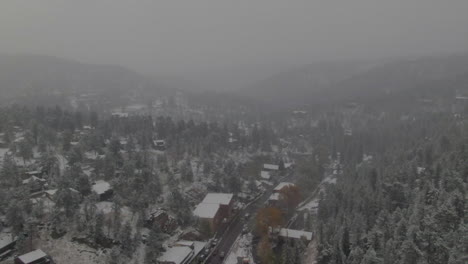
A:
{"x":282,"y":185}
{"x":160,"y":145}
{"x":51,"y":194}
{"x":214,"y":208}
{"x":7,"y":245}
{"x":36,"y":173}
{"x":265,"y":175}
{"x":102,"y":189}
{"x":35,"y":184}
{"x":224,"y":200}
{"x":176,"y":255}
{"x":273,"y":200}
{"x":34,"y":257}
{"x":270,"y":167}
{"x":163,"y":220}
{"x":182,"y":252}
{"x":210,"y":213}
{"x":291,"y":234}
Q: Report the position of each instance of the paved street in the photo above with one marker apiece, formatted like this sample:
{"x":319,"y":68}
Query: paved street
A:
{"x":227,"y":240}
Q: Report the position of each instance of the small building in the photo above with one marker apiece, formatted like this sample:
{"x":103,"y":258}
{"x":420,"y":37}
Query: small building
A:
{"x":270,"y":167}
{"x":282,"y":185}
{"x":103,"y":190}
{"x":163,"y":220}
{"x":176,"y":255}
{"x":51,"y":194}
{"x":34,"y":257}
{"x":35,"y":184}
{"x":160,"y":145}
{"x":7,"y":246}
{"x":182,"y":252}
{"x":273,"y":200}
{"x":291,"y":234}
{"x":265,"y":175}
{"x":36,"y":173}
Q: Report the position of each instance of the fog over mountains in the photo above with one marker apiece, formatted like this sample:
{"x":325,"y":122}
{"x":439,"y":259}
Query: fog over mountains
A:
{"x":318,"y":83}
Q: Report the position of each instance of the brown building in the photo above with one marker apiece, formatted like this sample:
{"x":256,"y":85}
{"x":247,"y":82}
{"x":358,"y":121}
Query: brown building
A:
{"x":214,"y":208}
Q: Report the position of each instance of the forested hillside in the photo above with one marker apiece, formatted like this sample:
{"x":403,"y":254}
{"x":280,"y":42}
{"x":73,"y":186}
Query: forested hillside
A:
{"x":327,"y":83}
{"x":405,"y":205}
{"x":47,"y":80}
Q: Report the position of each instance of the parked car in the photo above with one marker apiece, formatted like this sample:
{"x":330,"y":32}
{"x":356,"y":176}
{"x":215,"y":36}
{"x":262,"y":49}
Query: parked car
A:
{"x":214,"y":242}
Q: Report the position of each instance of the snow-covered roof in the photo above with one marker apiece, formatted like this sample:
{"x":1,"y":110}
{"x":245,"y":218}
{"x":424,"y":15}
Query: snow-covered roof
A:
{"x":33,"y":172}
{"x":282,"y":185}
{"x":101,"y":187}
{"x":274,"y":197}
{"x":119,"y":114}
{"x":265,"y":175}
{"x":291,"y":233}
{"x":32,"y":256}
{"x":5,"y":239}
{"x":184,"y":243}
{"x":176,"y":255}
{"x":218,"y":198}
{"x":206,"y":210}
{"x":33,"y":179}
{"x":51,"y":192}
{"x":270,"y":166}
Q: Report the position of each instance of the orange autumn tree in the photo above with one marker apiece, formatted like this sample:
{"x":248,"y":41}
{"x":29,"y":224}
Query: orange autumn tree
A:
{"x":266,"y":217}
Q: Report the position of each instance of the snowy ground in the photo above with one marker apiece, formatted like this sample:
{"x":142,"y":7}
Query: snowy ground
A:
{"x":311,"y":253}
{"x":311,"y":206}
{"x":242,"y":248}
{"x":3,"y":151}
{"x":65,"y":251}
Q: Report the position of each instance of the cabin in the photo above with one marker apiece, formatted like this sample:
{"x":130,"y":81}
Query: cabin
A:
{"x":34,"y":257}
{"x":103,"y":190}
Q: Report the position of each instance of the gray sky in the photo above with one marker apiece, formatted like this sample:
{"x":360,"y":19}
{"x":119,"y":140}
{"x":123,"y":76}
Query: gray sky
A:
{"x":197,"y":37}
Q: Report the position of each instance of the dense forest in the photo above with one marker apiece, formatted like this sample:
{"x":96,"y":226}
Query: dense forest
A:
{"x":406,"y":205}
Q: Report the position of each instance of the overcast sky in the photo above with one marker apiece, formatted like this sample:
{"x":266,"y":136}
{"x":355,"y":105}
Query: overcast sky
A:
{"x":200,"y":36}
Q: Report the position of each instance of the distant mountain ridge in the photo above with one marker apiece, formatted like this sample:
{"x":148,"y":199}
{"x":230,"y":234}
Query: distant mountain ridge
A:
{"x":37,"y":75}
{"x":325,"y":83}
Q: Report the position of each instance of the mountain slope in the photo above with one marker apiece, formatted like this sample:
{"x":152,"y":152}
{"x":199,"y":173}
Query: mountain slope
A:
{"x":335,"y":82}
{"x":32,"y":75}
